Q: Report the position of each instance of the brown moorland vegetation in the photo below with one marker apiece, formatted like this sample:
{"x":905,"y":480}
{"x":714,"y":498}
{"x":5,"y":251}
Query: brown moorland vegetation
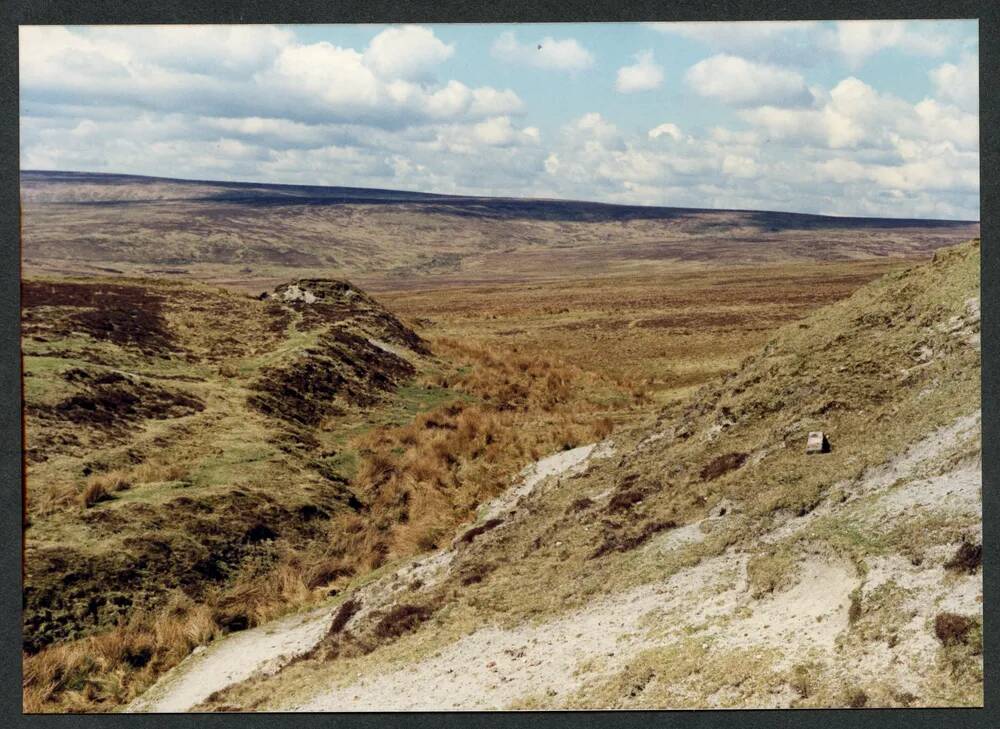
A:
{"x":891,"y":367}
{"x":201,"y":461}
{"x":381,"y":446}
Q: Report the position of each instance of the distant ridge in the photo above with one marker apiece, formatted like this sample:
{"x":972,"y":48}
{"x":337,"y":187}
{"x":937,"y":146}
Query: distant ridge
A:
{"x":259,"y":194}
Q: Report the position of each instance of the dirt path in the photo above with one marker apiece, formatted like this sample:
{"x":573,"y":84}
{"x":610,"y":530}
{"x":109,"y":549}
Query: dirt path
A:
{"x":261,"y":650}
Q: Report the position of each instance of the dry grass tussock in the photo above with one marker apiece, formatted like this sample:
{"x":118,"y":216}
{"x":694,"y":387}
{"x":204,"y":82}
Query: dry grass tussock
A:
{"x":108,"y":669}
{"x":111,"y":668}
{"x":96,"y":488}
{"x":419,"y":481}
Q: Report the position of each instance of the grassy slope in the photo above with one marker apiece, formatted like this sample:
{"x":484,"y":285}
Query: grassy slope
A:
{"x":218,"y":459}
{"x":877,"y":372}
{"x":853,"y":369}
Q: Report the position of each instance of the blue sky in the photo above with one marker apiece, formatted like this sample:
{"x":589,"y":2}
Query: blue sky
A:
{"x":855,"y":118}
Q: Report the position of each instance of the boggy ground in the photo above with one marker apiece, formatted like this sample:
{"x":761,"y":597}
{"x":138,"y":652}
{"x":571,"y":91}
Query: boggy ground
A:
{"x":704,"y":559}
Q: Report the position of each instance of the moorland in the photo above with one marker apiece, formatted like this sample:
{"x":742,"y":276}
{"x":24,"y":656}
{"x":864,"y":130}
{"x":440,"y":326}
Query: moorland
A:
{"x":244,"y":401}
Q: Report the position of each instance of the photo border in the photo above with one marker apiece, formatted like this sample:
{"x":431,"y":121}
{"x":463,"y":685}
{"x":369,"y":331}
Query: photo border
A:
{"x":44,"y":12}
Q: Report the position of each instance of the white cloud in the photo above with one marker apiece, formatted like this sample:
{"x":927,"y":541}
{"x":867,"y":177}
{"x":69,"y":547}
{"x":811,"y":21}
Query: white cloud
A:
{"x":931,"y":174}
{"x":232,"y":49}
{"x":668,"y":130}
{"x":938,"y":122}
{"x":407,"y":52}
{"x":855,"y":115}
{"x":562,"y":55}
{"x":644,"y":75}
{"x":592,"y":127}
{"x":268,"y":130}
{"x":262,"y":105}
{"x":217,"y":72}
{"x":739,"y":82}
{"x":857,"y":40}
{"x":500,"y":132}
{"x":487,"y":101}
{"x":737,"y":166}
{"x":959,"y":83}
{"x":328,"y":75}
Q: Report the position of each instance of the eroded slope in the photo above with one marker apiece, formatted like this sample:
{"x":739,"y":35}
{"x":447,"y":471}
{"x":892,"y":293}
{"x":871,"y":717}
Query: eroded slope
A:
{"x":708,"y":561}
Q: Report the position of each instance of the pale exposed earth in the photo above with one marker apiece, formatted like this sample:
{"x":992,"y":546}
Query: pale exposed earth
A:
{"x":545,"y":658}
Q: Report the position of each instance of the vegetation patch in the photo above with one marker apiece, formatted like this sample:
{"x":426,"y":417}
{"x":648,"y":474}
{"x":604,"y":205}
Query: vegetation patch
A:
{"x":952,"y":629}
{"x":628,"y":540}
{"x":344,"y":367}
{"x":402,"y":619}
{"x":129,"y":316}
{"x":112,"y":403}
{"x":471,"y":534}
{"x":475,"y":573}
{"x":721,"y":465}
{"x":967,"y":559}
{"x":771,"y":571}
{"x":680,"y":676}
{"x":961,"y":652}
{"x":345,"y":612}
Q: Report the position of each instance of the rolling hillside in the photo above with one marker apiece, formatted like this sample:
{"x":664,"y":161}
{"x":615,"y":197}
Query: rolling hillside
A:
{"x":703,"y":559}
{"x":226,"y":430}
{"x":199,"y":461}
{"x":254,"y":235}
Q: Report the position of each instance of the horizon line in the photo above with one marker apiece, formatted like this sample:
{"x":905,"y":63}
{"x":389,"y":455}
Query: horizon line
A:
{"x":461,"y":196}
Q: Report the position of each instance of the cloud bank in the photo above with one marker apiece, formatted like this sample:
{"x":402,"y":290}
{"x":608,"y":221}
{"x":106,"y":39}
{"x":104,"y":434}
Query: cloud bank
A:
{"x":744,"y":125}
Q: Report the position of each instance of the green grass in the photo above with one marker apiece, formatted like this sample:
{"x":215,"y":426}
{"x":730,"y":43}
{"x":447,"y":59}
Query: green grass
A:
{"x":239,"y":462}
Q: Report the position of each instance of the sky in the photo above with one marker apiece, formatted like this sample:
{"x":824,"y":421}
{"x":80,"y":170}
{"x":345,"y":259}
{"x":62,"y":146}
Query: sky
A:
{"x":842,"y":118}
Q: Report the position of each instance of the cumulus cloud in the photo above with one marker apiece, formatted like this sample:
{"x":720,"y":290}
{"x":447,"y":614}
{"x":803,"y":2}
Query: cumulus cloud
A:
{"x":857,"y":40}
{"x":407,"y":52}
{"x":737,"y":166}
{"x":644,"y":75}
{"x":853,"y":114}
{"x":561,"y":55}
{"x":386,"y":83}
{"x":666,"y":130}
{"x":958,"y":83}
{"x":739,"y":82}
{"x":500,"y":132}
{"x":228,"y":49}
